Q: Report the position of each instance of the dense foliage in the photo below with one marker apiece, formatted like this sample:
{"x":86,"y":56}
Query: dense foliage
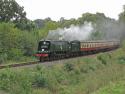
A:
{"x":19,"y":36}
{"x":15,"y":82}
{"x":14,"y":43}
{"x":11,"y":11}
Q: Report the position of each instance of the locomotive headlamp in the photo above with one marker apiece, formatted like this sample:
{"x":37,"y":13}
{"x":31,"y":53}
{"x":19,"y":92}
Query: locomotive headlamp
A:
{"x":44,"y":42}
{"x":42,"y":49}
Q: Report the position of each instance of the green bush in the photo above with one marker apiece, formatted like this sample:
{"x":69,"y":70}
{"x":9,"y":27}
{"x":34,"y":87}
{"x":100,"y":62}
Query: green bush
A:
{"x":104,"y":58}
{"x":123,"y":45}
{"x":121,"y":60}
{"x":15,"y":54}
{"x":68,"y":67}
{"x":15,"y":82}
{"x":3,"y":57}
{"x":16,"y":43}
{"x":40,"y":80}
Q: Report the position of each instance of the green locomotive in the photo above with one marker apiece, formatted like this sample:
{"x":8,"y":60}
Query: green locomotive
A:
{"x":54,"y":49}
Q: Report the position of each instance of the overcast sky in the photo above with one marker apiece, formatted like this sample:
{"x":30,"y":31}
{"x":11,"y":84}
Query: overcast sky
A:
{"x":40,"y":9}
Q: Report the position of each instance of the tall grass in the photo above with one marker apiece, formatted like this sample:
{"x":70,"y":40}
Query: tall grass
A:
{"x":84,"y":76}
{"x":113,"y":88}
{"x":77,"y":76}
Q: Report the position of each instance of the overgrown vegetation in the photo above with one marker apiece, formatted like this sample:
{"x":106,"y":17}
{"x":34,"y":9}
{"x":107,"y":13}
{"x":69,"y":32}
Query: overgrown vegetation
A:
{"x":15,"y":82}
{"x":19,"y":36}
{"x":14,"y":43}
{"x":78,"y":76}
{"x":113,"y":88}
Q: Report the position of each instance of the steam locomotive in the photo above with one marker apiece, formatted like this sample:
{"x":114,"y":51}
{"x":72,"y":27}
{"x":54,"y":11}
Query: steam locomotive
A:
{"x":51,"y":49}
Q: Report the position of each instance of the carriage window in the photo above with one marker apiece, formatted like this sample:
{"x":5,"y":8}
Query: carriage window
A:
{"x":85,"y":45}
{"x":89,"y":45}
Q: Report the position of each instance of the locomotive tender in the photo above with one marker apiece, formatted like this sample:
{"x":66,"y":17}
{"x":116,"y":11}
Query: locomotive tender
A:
{"x":51,"y":49}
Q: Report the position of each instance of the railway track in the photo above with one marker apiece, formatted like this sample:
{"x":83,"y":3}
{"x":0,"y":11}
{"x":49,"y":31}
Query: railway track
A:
{"x":47,"y":62}
{"x":18,"y":64}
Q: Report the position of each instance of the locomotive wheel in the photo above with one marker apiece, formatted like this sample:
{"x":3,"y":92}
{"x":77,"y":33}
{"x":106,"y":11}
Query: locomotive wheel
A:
{"x":41,"y":59}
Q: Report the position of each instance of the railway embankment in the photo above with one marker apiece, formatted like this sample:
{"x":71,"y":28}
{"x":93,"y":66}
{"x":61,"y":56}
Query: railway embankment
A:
{"x":75,"y":76}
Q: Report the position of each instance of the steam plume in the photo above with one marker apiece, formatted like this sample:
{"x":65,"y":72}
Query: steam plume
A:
{"x":82,"y":32}
{"x":107,"y":30}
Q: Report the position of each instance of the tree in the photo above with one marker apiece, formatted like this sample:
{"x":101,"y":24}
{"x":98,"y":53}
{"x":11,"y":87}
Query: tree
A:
{"x":48,"y":25}
{"x":25,"y":25}
{"x":66,"y":23}
{"x":15,"y":44}
{"x":122,"y":15}
{"x":122,"y":23}
{"x":10,"y":10}
{"x":39,"y":23}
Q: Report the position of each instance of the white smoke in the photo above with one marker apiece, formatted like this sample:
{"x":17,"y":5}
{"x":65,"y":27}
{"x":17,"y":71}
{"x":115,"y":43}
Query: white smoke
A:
{"x":82,"y":32}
